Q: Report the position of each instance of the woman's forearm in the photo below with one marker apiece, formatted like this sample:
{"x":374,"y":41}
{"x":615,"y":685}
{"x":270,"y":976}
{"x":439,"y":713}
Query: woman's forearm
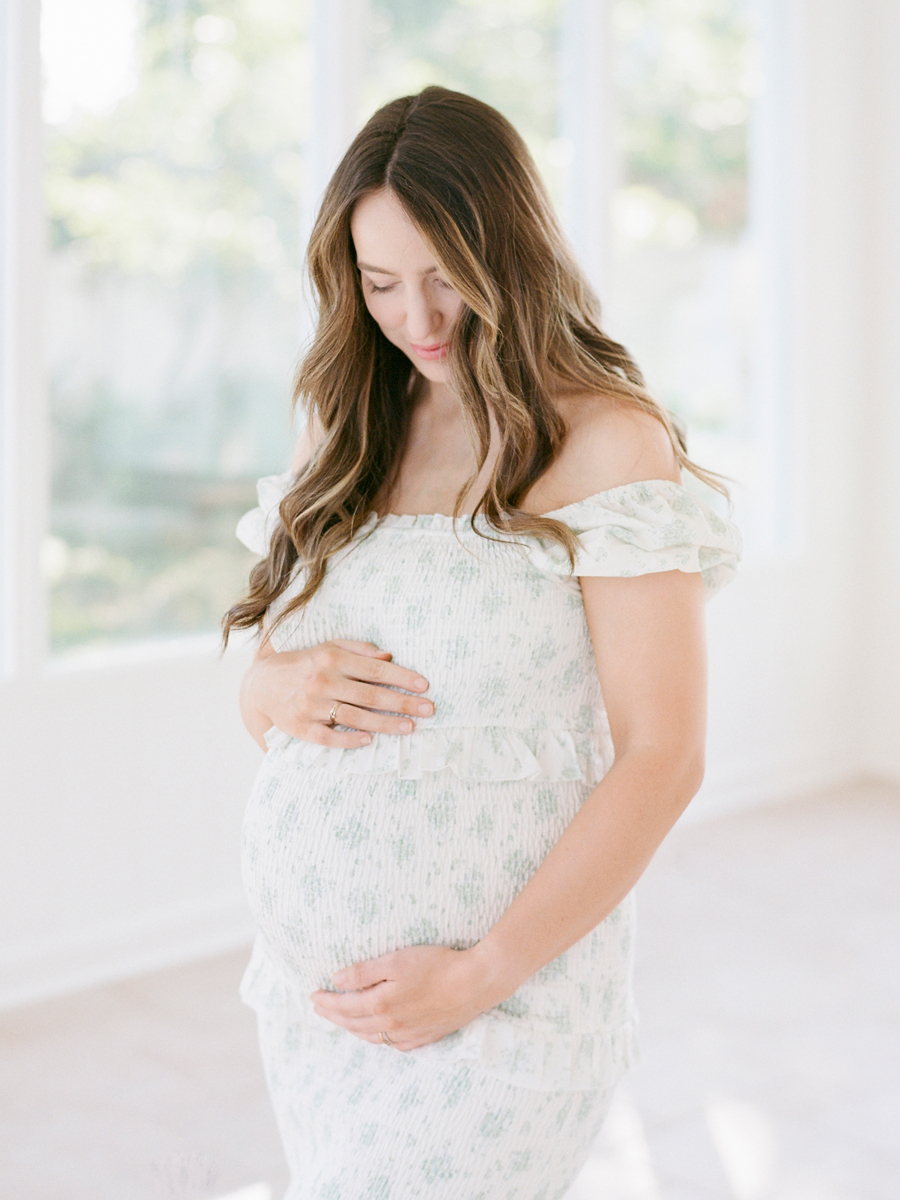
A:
{"x":593,"y":866}
{"x":255,"y":721}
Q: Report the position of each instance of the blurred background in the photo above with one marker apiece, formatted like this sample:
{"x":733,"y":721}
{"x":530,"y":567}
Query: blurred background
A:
{"x":729,"y":174}
{"x":178,"y":174}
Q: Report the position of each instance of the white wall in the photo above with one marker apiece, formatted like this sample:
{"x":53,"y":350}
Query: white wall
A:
{"x":123,"y":787}
{"x":805,"y":650}
{"x":878,"y":522}
{"x":122,"y":784}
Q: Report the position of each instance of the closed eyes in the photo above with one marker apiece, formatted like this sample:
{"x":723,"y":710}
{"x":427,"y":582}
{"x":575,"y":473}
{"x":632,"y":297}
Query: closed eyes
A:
{"x":389,"y":287}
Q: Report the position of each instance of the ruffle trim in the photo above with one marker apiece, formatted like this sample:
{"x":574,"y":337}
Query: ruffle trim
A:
{"x":255,"y":528}
{"x":540,"y":1060}
{"x":636,"y":529}
{"x":545,"y":1062}
{"x":642,"y":528}
{"x":492,"y":753}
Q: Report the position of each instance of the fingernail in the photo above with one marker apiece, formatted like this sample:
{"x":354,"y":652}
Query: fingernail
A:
{"x":406,"y":726}
{"x":421,"y":684}
{"x":424,"y":710}
{"x":364,"y":739}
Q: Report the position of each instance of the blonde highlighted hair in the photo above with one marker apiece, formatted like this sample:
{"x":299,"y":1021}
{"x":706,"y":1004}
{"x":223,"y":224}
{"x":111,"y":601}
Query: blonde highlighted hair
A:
{"x":529,"y":317}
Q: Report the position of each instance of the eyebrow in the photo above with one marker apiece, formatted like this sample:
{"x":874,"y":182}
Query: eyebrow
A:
{"x":381,"y":271}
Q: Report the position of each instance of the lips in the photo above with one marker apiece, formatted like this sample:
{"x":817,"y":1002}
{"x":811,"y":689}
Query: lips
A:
{"x":437,"y":351}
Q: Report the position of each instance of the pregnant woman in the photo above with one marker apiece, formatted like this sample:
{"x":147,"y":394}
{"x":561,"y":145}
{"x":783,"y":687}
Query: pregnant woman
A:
{"x":479,"y":683}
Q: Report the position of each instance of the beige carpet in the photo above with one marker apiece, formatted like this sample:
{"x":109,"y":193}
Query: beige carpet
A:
{"x":769,"y":984}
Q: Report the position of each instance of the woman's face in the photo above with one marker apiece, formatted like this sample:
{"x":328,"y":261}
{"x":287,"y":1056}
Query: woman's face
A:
{"x":412,"y":305}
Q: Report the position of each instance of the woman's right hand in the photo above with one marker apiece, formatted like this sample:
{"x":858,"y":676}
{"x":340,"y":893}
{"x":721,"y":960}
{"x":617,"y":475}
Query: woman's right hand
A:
{"x":296,"y":690}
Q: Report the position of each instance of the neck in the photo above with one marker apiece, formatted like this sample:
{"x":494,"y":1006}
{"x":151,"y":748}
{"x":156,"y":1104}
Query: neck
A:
{"x":438,"y":399}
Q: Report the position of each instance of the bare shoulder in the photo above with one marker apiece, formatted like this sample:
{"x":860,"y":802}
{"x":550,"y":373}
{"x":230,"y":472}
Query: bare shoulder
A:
{"x":609,"y":443}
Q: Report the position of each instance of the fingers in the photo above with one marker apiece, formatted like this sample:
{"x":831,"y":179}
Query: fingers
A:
{"x":367,"y":648}
{"x":355,"y":1014}
{"x":367,"y":695}
{"x":298,"y":691}
{"x":352,"y":1010}
{"x":380,"y":671}
{"x":359,"y":720}
{"x":362,"y":718}
{"x":362,"y":975}
{"x":367,"y":1014}
{"x":323,"y":735}
{"x":369,"y":1029}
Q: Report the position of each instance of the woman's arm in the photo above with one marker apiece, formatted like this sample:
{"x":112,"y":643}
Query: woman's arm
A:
{"x":255,"y":719}
{"x":297,"y":690}
{"x":648,"y":637}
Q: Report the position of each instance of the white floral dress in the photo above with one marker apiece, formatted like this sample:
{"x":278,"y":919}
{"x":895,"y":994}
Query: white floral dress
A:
{"x":428,"y":837}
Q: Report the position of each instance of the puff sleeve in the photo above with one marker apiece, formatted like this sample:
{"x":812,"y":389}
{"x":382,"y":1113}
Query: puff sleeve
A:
{"x":640,"y":528}
{"x":255,"y":528}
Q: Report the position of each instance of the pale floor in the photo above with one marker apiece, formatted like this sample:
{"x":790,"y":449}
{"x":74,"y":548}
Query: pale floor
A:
{"x":769,"y":984}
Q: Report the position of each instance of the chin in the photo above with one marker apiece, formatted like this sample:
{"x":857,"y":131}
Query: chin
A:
{"x":434,"y":372}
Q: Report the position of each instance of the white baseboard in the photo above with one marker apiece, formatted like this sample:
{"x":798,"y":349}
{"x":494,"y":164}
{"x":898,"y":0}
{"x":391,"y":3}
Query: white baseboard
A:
{"x":123,"y":948}
{"x":732,"y":787}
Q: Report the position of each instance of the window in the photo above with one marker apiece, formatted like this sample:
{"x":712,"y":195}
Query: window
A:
{"x":174,"y":174}
{"x":694,"y":293}
{"x":505,"y":53}
{"x":685,"y":79}
{"x":184,"y":157}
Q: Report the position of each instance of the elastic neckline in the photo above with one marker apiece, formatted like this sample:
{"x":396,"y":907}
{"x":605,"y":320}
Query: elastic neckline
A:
{"x":465,"y":520}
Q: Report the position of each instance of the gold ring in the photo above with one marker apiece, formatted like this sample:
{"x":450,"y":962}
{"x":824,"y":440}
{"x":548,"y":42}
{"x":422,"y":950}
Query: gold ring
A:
{"x":384,"y":1037}
{"x":331,"y":722}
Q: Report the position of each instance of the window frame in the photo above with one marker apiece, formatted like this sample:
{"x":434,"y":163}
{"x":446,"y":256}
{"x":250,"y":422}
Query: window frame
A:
{"x":337,"y":45}
{"x":25,"y":433}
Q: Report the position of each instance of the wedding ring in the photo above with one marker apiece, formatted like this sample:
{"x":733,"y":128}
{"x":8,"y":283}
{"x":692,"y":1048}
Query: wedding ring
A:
{"x":331,"y":722}
{"x":384,"y":1037}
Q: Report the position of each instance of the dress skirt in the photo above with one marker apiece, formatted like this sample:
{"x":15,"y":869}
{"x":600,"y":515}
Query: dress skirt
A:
{"x":427,"y":838}
{"x":342,"y":869}
{"x":365,"y":1122}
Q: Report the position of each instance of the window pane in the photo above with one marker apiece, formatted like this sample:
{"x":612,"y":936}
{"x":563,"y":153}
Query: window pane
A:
{"x":505,"y":53}
{"x":684,"y":260}
{"x":174,"y":131}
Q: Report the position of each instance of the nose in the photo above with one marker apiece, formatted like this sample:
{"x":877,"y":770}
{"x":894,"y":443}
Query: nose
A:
{"x":423,"y":318}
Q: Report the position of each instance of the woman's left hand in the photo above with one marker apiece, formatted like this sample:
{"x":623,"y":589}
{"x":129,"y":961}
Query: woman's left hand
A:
{"x":415,"y":996}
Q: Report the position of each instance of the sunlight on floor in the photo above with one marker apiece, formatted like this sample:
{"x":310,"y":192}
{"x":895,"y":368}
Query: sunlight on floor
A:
{"x":620,"y":1168}
{"x":770,"y":1040}
{"x":256,"y":1191}
{"x":745,"y":1140}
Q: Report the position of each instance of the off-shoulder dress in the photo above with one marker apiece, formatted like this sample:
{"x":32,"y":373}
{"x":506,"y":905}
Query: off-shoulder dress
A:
{"x":428,"y":837}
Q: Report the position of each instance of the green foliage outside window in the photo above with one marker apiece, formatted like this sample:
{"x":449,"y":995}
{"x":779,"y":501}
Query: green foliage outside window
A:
{"x":505,"y":52}
{"x":173,"y":316}
{"x":685,"y":266}
{"x":175,"y":256}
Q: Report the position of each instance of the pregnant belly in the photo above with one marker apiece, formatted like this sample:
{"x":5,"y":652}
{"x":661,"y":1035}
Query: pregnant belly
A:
{"x":339,"y":869}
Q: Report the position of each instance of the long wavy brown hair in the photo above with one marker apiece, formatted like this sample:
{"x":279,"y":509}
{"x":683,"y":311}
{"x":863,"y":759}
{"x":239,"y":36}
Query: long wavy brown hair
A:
{"x":529,"y":319}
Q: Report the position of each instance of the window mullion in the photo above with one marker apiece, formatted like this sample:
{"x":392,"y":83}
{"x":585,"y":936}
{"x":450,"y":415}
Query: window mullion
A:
{"x":26,"y":442}
{"x":586,"y":100}
{"x":338,"y":42}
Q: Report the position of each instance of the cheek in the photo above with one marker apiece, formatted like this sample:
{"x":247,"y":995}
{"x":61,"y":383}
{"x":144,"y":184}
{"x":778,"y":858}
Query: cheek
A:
{"x":385,"y":312}
{"x":452,"y":308}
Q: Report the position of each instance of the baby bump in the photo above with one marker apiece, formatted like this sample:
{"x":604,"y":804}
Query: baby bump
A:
{"x":339,"y":869}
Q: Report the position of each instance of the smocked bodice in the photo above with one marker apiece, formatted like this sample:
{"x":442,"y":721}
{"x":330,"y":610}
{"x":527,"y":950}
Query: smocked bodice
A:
{"x":427,"y":838}
{"x":495,"y":623}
